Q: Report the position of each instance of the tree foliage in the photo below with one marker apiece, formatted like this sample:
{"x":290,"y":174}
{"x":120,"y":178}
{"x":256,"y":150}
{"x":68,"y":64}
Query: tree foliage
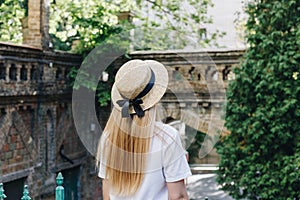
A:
{"x":173,"y":24}
{"x":260,"y":159}
{"x":82,"y":25}
{"x":12,"y":12}
{"x":157,"y":24}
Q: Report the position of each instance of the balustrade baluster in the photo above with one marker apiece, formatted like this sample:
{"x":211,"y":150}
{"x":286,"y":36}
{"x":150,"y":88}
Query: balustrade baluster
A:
{"x":60,"y":191}
{"x":18,"y":72}
{"x":2,"y":195}
{"x":7,"y":72}
{"x":26,"y":194}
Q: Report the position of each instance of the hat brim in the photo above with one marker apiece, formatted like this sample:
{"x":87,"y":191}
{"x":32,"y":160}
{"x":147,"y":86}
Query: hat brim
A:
{"x":155,"y":94}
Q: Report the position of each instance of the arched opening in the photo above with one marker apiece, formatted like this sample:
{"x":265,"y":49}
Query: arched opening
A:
{"x":225,"y":72}
{"x":211,"y":74}
{"x":72,"y":183}
{"x":59,"y":74}
{"x":49,"y":140}
{"x":23,"y":75}
{"x":13,"y":72}
{"x":2,"y":71}
{"x":33,"y":73}
{"x":14,"y":189}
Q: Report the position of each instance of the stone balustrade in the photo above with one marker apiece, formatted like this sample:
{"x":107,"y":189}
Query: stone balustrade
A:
{"x":31,"y":71}
{"x":198,"y":82}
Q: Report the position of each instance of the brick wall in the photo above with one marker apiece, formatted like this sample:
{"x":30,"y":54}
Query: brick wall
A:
{"x":36,"y":121}
{"x":36,"y":25}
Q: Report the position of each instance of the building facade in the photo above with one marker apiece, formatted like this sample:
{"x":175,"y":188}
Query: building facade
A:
{"x":38,"y":137}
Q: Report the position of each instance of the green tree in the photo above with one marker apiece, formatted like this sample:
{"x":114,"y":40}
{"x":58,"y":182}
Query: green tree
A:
{"x":156,"y":25}
{"x":260,"y":159}
{"x":173,"y":24}
{"x":12,"y":12}
{"x":82,"y":25}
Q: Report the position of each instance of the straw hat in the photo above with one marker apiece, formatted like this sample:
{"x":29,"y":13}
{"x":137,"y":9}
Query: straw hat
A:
{"x":138,"y":86}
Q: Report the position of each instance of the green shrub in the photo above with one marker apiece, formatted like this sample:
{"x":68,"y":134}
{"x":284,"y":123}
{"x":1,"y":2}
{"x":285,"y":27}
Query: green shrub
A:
{"x":260,"y":159}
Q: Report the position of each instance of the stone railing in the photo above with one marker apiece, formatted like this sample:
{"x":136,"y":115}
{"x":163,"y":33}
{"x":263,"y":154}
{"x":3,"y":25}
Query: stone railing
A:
{"x":199,"y":80}
{"x":198,"y":67}
{"x":59,"y":191}
{"x":31,"y":71}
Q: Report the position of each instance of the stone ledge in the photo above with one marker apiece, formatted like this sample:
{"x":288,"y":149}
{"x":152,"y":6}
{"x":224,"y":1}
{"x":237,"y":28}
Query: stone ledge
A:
{"x":203,"y":168}
{"x":17,"y":174}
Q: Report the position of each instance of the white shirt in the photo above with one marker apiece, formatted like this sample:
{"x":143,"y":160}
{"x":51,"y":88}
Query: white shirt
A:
{"x":166,"y":163}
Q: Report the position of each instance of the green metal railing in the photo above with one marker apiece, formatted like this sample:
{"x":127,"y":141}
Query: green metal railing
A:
{"x":26,"y":193}
{"x":59,"y":191}
{"x":2,"y":195}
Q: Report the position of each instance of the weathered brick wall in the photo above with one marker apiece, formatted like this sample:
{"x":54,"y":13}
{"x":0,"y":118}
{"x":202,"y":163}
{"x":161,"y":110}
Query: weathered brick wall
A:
{"x":14,"y":154}
{"x":36,"y":24}
{"x":36,"y":122}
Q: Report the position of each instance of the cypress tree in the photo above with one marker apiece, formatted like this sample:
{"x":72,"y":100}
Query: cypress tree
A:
{"x":260,"y":159}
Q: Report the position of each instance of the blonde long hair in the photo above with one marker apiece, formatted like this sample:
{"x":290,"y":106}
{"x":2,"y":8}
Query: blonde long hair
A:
{"x":123,"y":149}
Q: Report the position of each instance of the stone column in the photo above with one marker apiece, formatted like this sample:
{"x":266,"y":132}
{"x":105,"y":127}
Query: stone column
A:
{"x":36,"y":25}
{"x":7,"y":71}
{"x":28,"y":72}
{"x":18,"y":72}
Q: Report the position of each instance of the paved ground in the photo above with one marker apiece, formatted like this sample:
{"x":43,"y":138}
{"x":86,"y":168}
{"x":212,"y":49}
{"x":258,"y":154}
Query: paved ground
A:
{"x":200,"y":186}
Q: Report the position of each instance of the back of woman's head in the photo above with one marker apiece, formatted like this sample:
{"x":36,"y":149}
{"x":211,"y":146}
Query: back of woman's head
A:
{"x":138,"y":87}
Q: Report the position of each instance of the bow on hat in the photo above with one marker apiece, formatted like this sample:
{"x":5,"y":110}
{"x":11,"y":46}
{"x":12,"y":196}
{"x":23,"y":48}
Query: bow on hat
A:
{"x":137,"y":101}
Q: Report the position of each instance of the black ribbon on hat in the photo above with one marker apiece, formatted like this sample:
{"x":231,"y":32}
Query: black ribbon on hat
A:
{"x":137,"y":101}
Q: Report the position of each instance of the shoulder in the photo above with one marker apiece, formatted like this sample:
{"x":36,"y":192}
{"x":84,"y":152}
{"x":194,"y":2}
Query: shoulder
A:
{"x":161,"y":128}
{"x":166,"y":132}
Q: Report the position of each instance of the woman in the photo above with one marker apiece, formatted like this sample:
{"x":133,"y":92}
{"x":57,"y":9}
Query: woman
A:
{"x":138,"y":156}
